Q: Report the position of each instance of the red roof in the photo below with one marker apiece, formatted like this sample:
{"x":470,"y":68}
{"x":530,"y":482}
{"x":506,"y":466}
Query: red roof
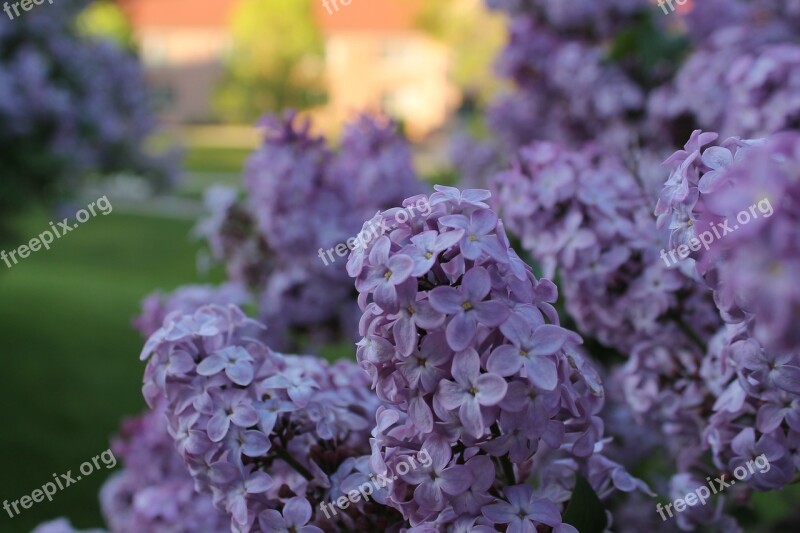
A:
{"x":181,"y":13}
{"x":381,"y":15}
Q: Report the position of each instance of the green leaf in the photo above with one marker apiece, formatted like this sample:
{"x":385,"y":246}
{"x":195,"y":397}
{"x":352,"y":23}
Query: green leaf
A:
{"x":585,"y":511}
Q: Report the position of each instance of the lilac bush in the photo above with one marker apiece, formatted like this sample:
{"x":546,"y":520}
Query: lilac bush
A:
{"x":672,"y":353}
{"x":70,"y":106}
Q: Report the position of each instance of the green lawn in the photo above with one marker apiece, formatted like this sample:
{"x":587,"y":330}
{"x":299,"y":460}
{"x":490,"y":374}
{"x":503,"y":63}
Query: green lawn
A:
{"x":216,"y":159}
{"x":71,"y":366}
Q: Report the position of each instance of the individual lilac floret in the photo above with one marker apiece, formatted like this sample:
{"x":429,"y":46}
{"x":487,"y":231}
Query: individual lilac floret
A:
{"x":264,"y":434}
{"x":485,"y":341}
{"x":524,"y":512}
{"x":295,"y":516}
{"x":467,"y":308}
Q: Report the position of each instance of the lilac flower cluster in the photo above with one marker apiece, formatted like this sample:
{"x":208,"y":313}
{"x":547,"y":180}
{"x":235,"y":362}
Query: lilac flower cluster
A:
{"x":266,"y":434}
{"x":303,"y":198}
{"x":730,"y":391}
{"x":751,"y":266}
{"x":738,"y":82}
{"x":753,"y":368}
{"x":580,"y":74}
{"x":69,"y":106}
{"x":464,"y":346}
{"x":585,"y":216}
{"x":567,"y":91}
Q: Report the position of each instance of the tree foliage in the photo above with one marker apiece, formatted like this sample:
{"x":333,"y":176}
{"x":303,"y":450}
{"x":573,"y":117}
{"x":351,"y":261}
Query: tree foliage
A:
{"x":275,"y":61}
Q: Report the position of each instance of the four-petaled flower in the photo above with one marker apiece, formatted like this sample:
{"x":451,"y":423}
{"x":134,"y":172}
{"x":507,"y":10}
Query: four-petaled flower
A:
{"x":295,"y":516}
{"x":467,"y":307}
{"x":471,"y":390}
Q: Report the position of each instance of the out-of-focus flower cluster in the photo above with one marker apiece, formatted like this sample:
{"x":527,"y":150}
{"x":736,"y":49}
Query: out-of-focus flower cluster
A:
{"x":70,"y":105}
{"x":566,"y":90}
{"x":302,"y":200}
{"x":733,"y":207}
{"x":621,"y":74}
{"x":585,"y":215}
{"x":154,"y":492}
{"x":730,"y":390}
{"x":739,"y":81}
{"x":267,"y":435}
{"x":464,"y":346}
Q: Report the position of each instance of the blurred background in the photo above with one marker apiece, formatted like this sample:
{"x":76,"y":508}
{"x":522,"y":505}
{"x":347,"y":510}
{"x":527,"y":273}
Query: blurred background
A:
{"x":149,"y":102}
{"x":152,"y":102}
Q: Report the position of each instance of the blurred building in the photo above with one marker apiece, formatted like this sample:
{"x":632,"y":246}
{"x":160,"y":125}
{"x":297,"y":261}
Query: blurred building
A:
{"x":183,"y":44}
{"x":375,"y":59}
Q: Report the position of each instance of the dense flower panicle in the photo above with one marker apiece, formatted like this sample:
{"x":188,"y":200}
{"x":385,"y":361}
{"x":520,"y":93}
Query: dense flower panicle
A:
{"x":302,"y":200}
{"x":269,"y":436}
{"x":579,"y":75}
{"x":739,"y":82}
{"x":374,"y":166}
{"x":565,"y":86}
{"x":464,"y":346}
{"x":742,"y":197}
{"x":586,"y":216}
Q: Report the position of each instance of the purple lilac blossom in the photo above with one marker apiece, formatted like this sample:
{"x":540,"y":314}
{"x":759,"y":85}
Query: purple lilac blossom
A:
{"x":266,"y":435}
{"x":745,"y":192}
{"x":459,"y":394}
{"x":304,"y":199}
{"x":739,"y":82}
{"x":753,"y":367}
{"x":585,"y":216}
{"x":70,"y":105}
